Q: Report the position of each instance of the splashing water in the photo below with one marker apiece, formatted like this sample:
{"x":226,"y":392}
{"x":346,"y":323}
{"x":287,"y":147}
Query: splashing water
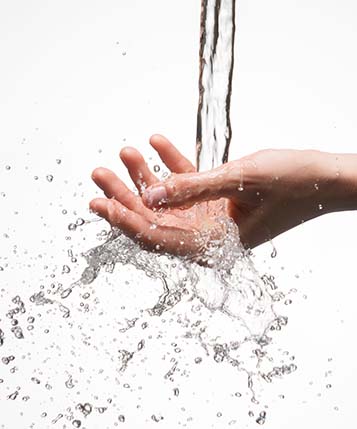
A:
{"x":221,"y":314}
{"x":236,"y":304}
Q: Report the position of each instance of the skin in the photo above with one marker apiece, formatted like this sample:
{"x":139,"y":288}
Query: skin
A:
{"x":265,"y":193}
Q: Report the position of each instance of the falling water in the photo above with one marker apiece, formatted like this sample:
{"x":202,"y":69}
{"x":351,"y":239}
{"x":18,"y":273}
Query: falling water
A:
{"x":214,"y":130}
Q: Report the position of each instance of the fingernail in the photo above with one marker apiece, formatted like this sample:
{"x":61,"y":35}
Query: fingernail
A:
{"x":156,"y":196}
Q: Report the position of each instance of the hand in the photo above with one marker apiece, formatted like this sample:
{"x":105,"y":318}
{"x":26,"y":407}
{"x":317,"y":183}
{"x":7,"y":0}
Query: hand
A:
{"x":268,"y":192}
{"x":173,"y":230}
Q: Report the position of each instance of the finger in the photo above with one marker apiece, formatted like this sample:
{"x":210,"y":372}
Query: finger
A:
{"x":138,"y":170}
{"x":190,"y":188}
{"x":113,"y":187}
{"x":170,"y":155}
{"x":118,"y":215}
{"x":170,"y":239}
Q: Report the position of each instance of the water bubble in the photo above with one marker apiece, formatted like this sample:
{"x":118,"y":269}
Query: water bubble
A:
{"x":156,"y":168}
{"x":69,"y":383}
{"x":49,"y":178}
{"x":77,"y":423}
{"x":65,"y":269}
{"x":58,"y":161}
{"x":156,"y":419}
{"x":320,"y":206}
{"x":64,"y":211}
{"x":58,"y":417}
{"x":80,"y":221}
{"x":176,"y":391}
{"x":72,"y":227}
{"x":262,"y":418}
{"x":8,"y":167}
{"x":316,"y":186}
{"x":66,"y":293}
{"x":13,"y":395}
{"x":141,"y":345}
{"x":121,"y":418}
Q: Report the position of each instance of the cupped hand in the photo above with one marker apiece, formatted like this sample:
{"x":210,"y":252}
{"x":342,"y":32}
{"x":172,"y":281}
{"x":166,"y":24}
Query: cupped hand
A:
{"x":178,"y":231}
{"x":267,"y":193}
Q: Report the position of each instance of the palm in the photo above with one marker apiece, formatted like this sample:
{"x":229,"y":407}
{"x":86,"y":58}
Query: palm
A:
{"x":174,"y":230}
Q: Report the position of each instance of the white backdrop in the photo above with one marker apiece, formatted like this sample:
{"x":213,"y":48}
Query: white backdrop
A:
{"x":81,"y":79}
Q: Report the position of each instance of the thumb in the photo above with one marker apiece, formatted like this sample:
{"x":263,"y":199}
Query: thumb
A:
{"x":189,"y":188}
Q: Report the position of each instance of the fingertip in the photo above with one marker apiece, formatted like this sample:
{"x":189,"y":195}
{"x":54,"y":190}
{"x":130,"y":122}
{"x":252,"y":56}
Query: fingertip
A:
{"x":98,"y":205}
{"x":157,"y":139}
{"x":155,"y":196}
{"x":125,"y":151}
{"x":98,"y":173}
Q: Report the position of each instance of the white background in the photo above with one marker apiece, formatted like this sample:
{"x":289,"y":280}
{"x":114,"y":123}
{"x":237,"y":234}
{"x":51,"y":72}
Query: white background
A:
{"x":81,"y":79}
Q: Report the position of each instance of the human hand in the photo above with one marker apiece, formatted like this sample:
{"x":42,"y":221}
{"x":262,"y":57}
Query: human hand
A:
{"x":267,"y":193}
{"x":177,"y":231}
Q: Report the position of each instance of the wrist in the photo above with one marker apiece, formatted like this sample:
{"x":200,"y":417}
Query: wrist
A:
{"x":339,"y":181}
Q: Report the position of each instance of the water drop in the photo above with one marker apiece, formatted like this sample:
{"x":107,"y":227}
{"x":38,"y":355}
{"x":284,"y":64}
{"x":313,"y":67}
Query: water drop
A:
{"x":121,"y":418}
{"x":321,"y":206}
{"x":72,"y":227}
{"x":156,"y":168}
{"x":49,"y":178}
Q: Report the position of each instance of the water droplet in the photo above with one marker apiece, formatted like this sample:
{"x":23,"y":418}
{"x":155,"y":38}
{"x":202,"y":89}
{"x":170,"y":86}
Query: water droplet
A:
{"x":49,"y":177}
{"x":8,"y":167}
{"x":58,"y":161}
{"x":321,"y":206}
{"x":72,"y":227}
{"x":316,"y":186}
{"x":65,"y":269}
{"x":176,"y":391}
{"x":77,"y":423}
{"x":156,"y":168}
{"x":66,"y":293}
{"x":121,"y":418}
{"x":80,"y":222}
